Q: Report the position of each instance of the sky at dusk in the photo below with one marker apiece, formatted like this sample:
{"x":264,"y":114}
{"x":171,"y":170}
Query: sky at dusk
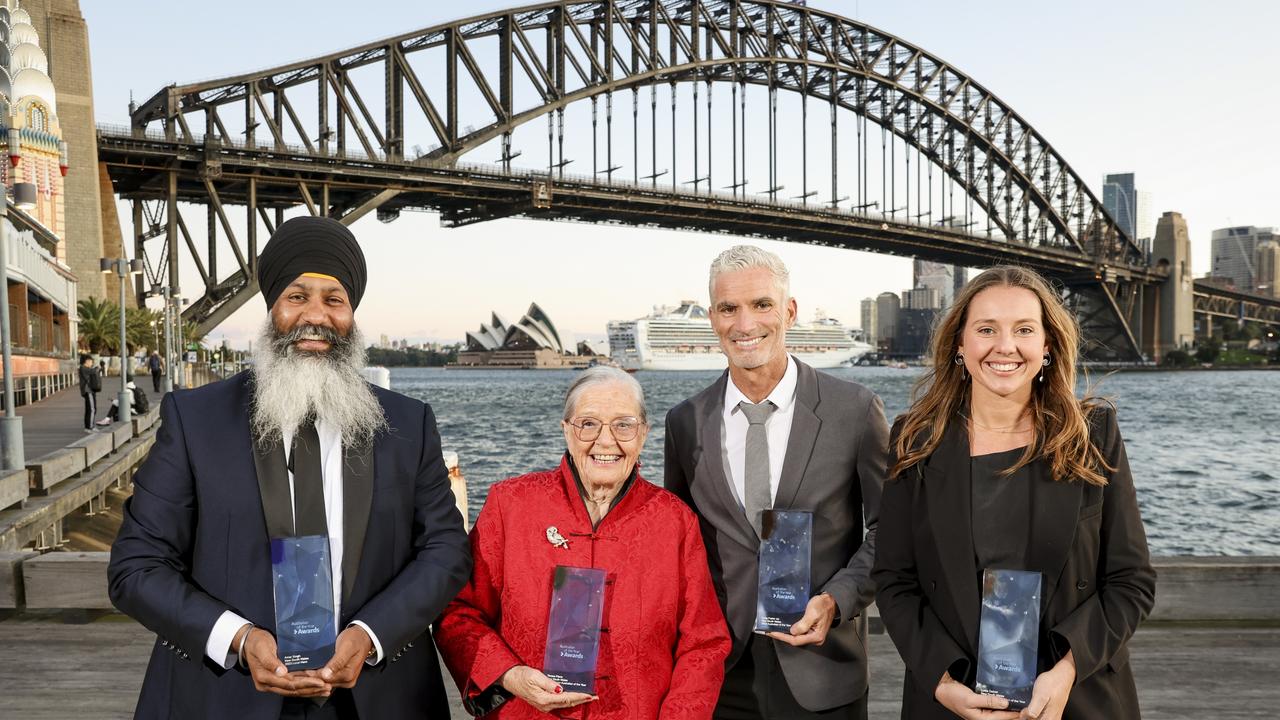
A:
{"x":1181,"y":93}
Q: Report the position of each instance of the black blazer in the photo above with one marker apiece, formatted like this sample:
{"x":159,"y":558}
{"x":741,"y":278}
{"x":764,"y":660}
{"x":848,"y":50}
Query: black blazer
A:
{"x":1088,"y":542}
{"x":194,"y":543}
{"x":834,"y":466}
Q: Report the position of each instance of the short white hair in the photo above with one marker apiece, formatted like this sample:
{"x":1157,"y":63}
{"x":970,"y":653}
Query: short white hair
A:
{"x":602,"y":375}
{"x":746,"y":257}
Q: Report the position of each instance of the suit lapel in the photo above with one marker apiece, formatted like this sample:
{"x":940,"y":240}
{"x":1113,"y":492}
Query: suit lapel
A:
{"x":357,"y":499}
{"x":243,"y":469}
{"x":731,"y":517}
{"x":1055,"y":507}
{"x":948,"y":489}
{"x":804,"y":435}
{"x":273,"y":488}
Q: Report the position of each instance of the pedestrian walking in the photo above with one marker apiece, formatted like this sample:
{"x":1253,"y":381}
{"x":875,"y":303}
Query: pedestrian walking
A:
{"x":156,"y":366}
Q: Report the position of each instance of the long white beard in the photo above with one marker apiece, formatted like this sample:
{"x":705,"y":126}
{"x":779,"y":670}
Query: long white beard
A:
{"x":291,"y":386}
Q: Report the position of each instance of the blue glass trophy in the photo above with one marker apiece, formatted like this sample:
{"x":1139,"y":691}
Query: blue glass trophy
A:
{"x":1009,"y":635}
{"x":573,"y":628}
{"x":784,"y":583}
{"x":303,"y":582}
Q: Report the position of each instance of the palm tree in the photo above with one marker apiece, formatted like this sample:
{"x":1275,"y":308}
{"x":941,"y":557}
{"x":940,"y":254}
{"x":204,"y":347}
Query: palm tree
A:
{"x":99,"y":325}
{"x":191,"y":335}
{"x":138,"y":329}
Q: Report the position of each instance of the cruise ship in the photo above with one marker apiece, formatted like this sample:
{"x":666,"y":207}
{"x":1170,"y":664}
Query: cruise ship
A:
{"x":681,"y":338}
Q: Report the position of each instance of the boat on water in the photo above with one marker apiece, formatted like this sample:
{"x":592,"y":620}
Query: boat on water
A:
{"x":680,"y":338}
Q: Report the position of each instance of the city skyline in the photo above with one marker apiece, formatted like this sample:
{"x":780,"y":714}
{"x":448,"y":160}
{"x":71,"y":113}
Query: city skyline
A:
{"x":428,"y":283}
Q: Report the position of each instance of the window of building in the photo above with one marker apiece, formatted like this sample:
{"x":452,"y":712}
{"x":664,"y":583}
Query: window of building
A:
{"x":37,"y":120}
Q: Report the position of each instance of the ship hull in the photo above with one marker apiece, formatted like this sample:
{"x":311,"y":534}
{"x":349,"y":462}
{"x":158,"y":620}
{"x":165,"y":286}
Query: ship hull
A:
{"x":823,"y":360}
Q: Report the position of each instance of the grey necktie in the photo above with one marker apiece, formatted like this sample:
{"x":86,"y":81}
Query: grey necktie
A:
{"x":757,"y":495}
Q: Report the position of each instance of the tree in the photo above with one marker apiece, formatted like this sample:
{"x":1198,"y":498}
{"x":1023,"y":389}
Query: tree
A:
{"x":190,"y":335}
{"x":99,"y":325}
{"x":1208,"y":350}
{"x":138,"y":330}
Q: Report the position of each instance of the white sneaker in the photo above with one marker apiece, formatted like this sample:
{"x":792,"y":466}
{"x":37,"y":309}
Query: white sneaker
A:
{"x":104,"y":421}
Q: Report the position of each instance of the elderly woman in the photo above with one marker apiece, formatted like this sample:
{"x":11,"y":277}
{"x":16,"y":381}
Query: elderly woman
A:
{"x":998,"y":465}
{"x":663,"y":639}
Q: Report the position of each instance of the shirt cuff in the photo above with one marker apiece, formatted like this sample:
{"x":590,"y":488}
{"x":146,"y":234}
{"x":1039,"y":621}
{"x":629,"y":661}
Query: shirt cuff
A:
{"x":218,"y":646}
{"x":377,"y":646}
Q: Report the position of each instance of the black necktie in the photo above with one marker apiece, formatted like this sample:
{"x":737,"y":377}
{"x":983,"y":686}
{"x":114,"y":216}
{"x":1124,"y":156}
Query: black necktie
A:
{"x":308,"y":483}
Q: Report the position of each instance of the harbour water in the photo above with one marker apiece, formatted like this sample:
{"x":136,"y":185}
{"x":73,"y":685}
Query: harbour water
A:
{"x":1200,"y":444}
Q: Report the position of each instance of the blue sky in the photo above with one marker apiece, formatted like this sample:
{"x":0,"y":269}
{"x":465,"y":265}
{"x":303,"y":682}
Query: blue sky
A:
{"x":1181,"y":93}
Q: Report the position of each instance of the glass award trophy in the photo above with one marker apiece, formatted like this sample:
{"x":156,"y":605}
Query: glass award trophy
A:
{"x":303,"y":582}
{"x":573,"y":628}
{"x":785,"y":553}
{"x":1009,"y":635}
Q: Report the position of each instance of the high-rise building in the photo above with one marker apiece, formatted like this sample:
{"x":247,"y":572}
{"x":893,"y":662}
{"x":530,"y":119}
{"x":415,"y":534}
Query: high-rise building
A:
{"x":1266,"y":264}
{"x":1144,"y":221}
{"x":921,"y":298}
{"x":869,"y":320}
{"x":1131,"y":208}
{"x":958,"y":281}
{"x":887,"y":305}
{"x":946,"y":279}
{"x":1234,"y":249}
{"x":915,"y":330}
{"x":1120,"y":200}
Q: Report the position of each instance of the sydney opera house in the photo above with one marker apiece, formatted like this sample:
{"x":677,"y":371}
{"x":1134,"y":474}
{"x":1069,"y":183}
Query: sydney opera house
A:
{"x":531,"y":343}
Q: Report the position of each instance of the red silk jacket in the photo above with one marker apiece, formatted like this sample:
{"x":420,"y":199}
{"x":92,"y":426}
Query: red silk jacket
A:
{"x":664,"y":639}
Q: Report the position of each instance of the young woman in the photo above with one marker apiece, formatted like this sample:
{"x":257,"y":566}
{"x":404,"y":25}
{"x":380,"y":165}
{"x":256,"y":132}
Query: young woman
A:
{"x":997,"y":464}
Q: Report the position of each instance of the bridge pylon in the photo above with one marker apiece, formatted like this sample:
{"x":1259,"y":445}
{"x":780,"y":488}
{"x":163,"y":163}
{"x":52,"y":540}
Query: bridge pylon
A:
{"x":1169,"y":322}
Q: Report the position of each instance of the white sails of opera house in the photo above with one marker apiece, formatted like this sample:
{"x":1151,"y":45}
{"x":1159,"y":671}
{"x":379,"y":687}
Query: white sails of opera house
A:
{"x":681,"y":338}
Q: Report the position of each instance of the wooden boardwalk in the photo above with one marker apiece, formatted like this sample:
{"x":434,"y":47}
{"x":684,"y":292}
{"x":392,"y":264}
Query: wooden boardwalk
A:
{"x":72,"y":665}
{"x":58,"y":420}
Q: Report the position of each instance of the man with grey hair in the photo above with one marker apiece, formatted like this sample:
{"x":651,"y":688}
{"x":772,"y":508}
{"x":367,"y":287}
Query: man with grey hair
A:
{"x":298,"y":447}
{"x":773,"y":433}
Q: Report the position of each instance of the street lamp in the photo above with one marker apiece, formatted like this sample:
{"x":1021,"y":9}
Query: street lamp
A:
{"x":180,"y":344}
{"x":123,"y":269}
{"x":12,"y":453}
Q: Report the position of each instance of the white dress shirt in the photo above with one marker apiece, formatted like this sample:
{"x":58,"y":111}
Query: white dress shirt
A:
{"x":218,"y":647}
{"x":733,"y":436}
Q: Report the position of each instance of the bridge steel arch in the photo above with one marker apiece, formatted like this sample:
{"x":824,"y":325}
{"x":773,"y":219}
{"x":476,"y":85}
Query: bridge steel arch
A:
{"x":1039,"y":211}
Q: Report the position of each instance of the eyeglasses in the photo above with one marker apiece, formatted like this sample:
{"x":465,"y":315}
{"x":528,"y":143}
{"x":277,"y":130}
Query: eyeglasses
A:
{"x":588,"y":429}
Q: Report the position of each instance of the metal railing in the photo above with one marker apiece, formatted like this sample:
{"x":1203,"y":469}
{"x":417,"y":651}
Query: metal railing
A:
{"x":32,"y":264}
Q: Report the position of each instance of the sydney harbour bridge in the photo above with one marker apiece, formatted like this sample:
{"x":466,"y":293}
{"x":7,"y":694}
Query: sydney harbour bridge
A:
{"x":753,"y":118}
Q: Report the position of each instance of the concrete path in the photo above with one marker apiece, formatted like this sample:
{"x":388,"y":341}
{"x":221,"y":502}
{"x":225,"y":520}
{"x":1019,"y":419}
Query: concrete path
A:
{"x":73,"y":665}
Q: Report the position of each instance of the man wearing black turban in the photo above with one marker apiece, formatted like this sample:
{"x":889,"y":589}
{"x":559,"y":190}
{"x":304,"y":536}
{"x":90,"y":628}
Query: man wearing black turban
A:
{"x":298,"y":447}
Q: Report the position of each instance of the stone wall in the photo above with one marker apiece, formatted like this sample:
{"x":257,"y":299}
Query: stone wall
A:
{"x":65,"y":39}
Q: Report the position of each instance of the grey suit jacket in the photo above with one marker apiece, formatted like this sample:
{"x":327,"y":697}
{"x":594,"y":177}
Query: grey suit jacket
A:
{"x":834,"y":466}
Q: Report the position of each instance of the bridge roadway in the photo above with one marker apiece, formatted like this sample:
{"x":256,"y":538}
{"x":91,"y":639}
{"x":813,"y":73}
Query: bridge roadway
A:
{"x":466,"y":193}
{"x":149,"y":166}
{"x":78,"y":664}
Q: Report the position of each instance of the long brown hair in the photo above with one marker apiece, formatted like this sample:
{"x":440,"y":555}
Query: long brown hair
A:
{"x":1059,"y":419}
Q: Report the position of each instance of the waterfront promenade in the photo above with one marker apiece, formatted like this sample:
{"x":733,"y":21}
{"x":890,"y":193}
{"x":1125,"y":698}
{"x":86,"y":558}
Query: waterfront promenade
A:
{"x":89,"y":662}
{"x":57,"y":665}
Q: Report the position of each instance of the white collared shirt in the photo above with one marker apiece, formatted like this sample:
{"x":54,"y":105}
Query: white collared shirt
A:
{"x":218,"y":647}
{"x":733,"y":436}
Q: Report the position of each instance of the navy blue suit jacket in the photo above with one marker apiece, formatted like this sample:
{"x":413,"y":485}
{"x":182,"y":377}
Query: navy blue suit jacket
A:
{"x":194,"y":544}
